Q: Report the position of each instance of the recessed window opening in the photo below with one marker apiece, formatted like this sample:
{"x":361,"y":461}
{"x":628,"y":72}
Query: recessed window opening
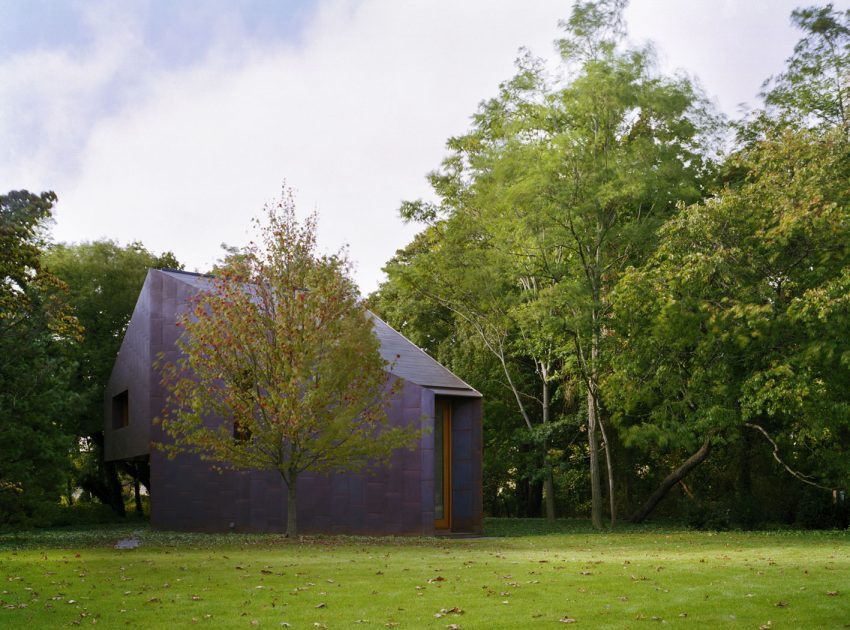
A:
{"x":120,"y":410}
{"x":241,"y":433}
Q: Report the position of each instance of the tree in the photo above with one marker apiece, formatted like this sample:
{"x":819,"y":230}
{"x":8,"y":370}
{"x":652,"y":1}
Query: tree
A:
{"x":104,"y":280}
{"x":281,"y":369}
{"x":815,"y":88}
{"x":463,"y":322}
{"x":37,"y":336}
{"x":559,"y":186}
{"x":737,"y":322}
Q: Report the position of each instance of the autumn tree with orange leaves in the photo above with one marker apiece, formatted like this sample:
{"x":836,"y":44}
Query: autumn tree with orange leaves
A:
{"x":280,"y":367}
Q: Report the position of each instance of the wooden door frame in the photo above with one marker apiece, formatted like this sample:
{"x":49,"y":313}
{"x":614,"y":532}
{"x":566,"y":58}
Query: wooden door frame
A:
{"x":446,"y":521}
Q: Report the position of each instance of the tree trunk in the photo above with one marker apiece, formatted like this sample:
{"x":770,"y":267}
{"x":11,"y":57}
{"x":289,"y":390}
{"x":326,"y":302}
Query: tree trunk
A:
{"x":549,"y":480}
{"x":137,"y":495}
{"x":595,"y":488}
{"x":610,"y":467}
{"x":672,"y":479}
{"x":104,"y":482}
{"x":532,"y":499}
{"x":291,"y":506}
{"x":593,"y":420}
{"x":70,"y":488}
{"x":116,"y":495}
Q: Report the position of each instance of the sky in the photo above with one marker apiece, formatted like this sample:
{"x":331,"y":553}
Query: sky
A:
{"x":173,"y":122}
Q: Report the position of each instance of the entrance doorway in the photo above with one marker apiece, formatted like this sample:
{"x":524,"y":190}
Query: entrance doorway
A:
{"x":442,"y":464}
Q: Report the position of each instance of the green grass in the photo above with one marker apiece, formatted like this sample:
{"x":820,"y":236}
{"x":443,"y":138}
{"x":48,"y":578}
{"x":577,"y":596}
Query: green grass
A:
{"x":532,"y":574}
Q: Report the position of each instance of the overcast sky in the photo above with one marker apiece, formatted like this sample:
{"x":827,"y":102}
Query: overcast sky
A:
{"x":173,"y":122}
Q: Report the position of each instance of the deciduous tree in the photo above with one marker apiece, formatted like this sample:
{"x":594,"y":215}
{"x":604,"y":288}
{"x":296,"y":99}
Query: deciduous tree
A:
{"x":37,"y":337}
{"x":558,"y":187}
{"x":735,"y":324}
{"x":281,"y":369}
{"x":104,"y":280}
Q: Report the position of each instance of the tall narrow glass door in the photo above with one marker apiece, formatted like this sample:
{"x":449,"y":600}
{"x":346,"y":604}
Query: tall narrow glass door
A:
{"x":442,"y":464}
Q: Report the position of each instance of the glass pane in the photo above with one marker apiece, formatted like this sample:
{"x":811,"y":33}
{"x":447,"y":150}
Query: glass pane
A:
{"x":439,"y":511}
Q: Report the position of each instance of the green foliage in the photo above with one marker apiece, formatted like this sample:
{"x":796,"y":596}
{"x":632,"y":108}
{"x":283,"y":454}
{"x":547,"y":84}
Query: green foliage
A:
{"x":104,"y":280}
{"x":38,"y":334}
{"x":280,"y":367}
{"x":738,"y":318}
{"x":556,"y":188}
{"x":815,"y":88}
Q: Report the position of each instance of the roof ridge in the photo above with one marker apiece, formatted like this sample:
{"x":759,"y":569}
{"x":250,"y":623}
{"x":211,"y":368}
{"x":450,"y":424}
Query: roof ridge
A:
{"x":183,"y":271}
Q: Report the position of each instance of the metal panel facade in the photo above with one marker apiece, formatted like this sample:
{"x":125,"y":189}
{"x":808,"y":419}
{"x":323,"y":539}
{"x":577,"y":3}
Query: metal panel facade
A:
{"x":187,"y":494}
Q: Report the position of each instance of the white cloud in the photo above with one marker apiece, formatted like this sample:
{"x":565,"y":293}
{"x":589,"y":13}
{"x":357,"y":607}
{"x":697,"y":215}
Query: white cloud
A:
{"x":730,"y":46}
{"x":353,"y":117}
{"x":352,"y":120}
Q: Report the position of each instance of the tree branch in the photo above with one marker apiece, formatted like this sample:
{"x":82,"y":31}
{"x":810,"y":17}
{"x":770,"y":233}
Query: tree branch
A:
{"x":800,"y":476}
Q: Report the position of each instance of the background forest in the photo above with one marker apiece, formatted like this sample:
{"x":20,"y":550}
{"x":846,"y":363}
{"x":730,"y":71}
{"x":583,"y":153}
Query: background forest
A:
{"x":652,"y":299}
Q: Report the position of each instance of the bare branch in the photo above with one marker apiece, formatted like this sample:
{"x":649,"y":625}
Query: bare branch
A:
{"x":791,"y":471}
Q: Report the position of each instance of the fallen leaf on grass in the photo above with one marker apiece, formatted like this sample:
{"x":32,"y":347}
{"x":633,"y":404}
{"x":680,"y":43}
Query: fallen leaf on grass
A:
{"x":453,"y":626}
{"x":321,"y":605}
{"x":832,"y":593}
{"x":439,"y":578}
{"x":566,"y":620}
{"x":781,"y":604}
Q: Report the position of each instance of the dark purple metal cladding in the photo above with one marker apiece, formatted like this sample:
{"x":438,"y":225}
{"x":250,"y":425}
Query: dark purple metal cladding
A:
{"x":187,"y":494}
{"x":132,"y":373}
{"x":467,"y":505}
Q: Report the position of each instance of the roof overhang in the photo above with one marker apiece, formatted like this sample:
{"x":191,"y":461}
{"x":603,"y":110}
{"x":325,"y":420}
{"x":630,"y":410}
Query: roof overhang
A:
{"x":446,"y":391}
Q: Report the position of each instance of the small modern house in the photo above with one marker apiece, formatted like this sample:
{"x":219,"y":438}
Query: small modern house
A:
{"x":433,"y":489}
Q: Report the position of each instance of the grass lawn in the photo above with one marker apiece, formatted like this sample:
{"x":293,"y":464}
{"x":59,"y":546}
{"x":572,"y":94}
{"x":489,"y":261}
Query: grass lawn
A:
{"x":525,"y":574}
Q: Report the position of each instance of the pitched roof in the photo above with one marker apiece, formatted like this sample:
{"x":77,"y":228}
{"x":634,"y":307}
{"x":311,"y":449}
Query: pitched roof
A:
{"x":404,"y":358}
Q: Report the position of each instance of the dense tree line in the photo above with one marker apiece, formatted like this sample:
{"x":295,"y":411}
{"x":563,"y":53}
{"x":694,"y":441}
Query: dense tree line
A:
{"x":653,"y":300}
{"x":642,"y":310}
{"x":63,"y":312}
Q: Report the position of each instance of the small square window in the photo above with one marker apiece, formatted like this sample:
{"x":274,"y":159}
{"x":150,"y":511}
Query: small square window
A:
{"x":120,"y":410}
{"x":241,"y":433}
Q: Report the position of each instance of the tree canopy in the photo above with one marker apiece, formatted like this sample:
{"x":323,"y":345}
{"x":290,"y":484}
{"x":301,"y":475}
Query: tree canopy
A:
{"x":103,"y":280}
{"x":590,"y":236}
{"x":38,"y":335}
{"x":559,"y":185}
{"x":281,"y":368}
